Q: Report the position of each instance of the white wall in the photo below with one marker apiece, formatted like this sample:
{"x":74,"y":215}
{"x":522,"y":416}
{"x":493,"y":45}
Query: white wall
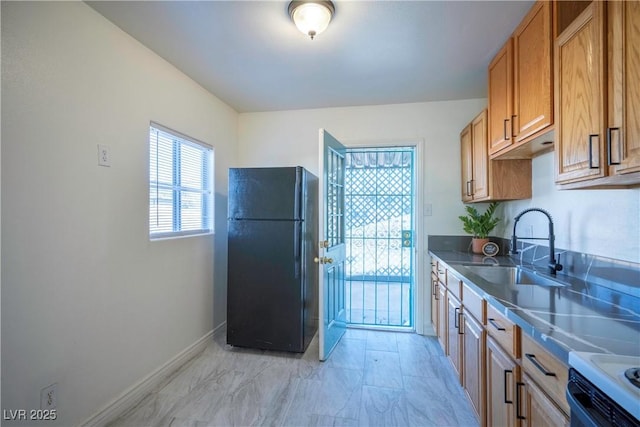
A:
{"x":290,"y":138}
{"x":87,"y":300}
{"x":597,"y":222}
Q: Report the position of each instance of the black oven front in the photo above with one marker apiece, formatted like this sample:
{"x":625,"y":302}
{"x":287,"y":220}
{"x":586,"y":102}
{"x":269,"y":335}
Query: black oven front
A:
{"x":590,"y":407}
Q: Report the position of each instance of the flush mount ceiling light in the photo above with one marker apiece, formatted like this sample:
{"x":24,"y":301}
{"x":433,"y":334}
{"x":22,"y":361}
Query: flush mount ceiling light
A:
{"x":311,"y":17}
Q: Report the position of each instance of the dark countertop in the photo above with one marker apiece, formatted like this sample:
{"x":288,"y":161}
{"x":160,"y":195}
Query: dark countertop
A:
{"x":581,"y":316}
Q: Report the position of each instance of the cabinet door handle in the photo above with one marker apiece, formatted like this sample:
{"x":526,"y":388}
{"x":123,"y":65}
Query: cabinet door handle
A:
{"x":504,"y":129}
{"x":457,"y":317}
{"x":436,"y":292}
{"x":512,"y":121}
{"x":460,"y":323}
{"x":496,"y":325}
{"x":506,"y":383}
{"x":471,"y":187}
{"x":532,"y":358}
{"x":434,"y":286}
{"x":591,"y":166}
{"x":609,"y":161}
{"x":468,"y":188}
{"x":518,"y":414}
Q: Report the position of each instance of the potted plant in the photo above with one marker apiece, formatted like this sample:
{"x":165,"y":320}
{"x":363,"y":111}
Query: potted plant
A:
{"x":479,"y":225}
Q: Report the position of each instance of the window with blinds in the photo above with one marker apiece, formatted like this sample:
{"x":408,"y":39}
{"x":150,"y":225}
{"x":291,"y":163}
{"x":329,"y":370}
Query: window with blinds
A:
{"x":180,"y":184}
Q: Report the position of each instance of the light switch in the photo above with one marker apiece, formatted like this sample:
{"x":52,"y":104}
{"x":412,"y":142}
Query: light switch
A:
{"x":428,"y":209}
{"x":104,"y":156}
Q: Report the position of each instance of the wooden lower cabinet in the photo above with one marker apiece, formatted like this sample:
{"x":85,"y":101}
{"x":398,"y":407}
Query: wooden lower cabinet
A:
{"x":473,"y":362}
{"x":536,"y":408}
{"x":549,"y":373}
{"x":502,"y":376}
{"x":442,"y":317}
{"x":510,"y":379}
{"x":434,"y":302}
{"x":453,"y":333}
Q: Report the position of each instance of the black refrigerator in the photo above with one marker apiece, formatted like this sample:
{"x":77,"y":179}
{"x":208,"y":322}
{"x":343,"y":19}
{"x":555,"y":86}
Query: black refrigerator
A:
{"x":272,"y":294}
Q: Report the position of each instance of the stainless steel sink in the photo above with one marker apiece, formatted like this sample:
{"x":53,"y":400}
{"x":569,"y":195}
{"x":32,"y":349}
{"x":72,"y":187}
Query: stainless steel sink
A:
{"x":511,"y":275}
{"x":479,"y":264}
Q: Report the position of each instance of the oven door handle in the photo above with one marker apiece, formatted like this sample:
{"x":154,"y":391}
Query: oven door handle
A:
{"x":580,"y":415}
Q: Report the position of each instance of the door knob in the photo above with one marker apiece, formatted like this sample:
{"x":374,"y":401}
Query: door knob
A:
{"x":323,"y":260}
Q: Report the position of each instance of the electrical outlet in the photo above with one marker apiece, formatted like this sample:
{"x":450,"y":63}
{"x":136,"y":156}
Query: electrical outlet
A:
{"x":104,"y":157}
{"x":49,"y":397}
{"x":428,"y":209}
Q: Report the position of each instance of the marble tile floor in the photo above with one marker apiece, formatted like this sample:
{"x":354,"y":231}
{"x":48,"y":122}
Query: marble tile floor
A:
{"x":373,"y":378}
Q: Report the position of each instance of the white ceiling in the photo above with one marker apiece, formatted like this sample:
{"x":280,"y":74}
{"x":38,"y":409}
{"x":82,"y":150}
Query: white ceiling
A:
{"x":251,"y":55}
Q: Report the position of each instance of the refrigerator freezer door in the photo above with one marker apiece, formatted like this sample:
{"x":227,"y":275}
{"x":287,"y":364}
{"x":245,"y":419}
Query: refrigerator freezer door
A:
{"x":265,"y":290}
{"x":265,"y":193}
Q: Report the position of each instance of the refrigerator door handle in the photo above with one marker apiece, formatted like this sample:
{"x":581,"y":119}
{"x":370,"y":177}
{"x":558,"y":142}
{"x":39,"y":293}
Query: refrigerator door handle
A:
{"x":299,"y":196}
{"x":297,"y":249}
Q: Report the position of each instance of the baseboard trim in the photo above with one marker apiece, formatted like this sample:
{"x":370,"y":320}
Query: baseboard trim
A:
{"x":132,"y":396}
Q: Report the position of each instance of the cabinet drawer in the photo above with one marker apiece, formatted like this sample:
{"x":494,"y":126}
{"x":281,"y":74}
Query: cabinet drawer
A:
{"x":474,"y":303}
{"x":441,"y":272}
{"x":454,"y":285}
{"x":547,"y":371}
{"x":504,"y":331}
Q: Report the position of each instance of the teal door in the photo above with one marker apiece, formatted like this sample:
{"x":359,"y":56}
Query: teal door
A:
{"x":331,"y":257}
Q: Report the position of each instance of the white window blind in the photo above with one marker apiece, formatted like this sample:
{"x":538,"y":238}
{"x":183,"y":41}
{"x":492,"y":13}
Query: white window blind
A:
{"x":180,"y":184}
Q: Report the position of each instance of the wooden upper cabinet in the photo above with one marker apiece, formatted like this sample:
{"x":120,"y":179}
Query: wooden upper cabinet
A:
{"x":475,"y":159}
{"x":480,"y":183}
{"x":533,"y":82}
{"x":521,"y":88}
{"x":466,"y":151}
{"x":484,"y":179}
{"x":623,"y":132}
{"x":565,"y":12}
{"x":580,"y":95}
{"x":597,"y":71}
{"x":501,"y":98}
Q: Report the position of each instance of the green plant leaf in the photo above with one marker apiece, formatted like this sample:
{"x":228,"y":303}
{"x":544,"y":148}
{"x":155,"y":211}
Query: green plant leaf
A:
{"x":477,"y":224}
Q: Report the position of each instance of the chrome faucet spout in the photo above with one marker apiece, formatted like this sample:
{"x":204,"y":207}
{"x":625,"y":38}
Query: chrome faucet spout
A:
{"x":554,"y":265}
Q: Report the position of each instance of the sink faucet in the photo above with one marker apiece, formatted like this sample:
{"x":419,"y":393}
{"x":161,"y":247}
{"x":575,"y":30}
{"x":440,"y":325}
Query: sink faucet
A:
{"x":553,"y":264}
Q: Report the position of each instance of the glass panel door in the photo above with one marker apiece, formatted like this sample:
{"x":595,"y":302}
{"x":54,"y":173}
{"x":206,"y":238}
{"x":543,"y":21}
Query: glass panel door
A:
{"x":379,"y":236}
{"x":332,"y":324}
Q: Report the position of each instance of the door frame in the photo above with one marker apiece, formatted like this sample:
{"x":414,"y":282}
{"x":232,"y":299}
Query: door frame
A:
{"x":422,"y":301}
